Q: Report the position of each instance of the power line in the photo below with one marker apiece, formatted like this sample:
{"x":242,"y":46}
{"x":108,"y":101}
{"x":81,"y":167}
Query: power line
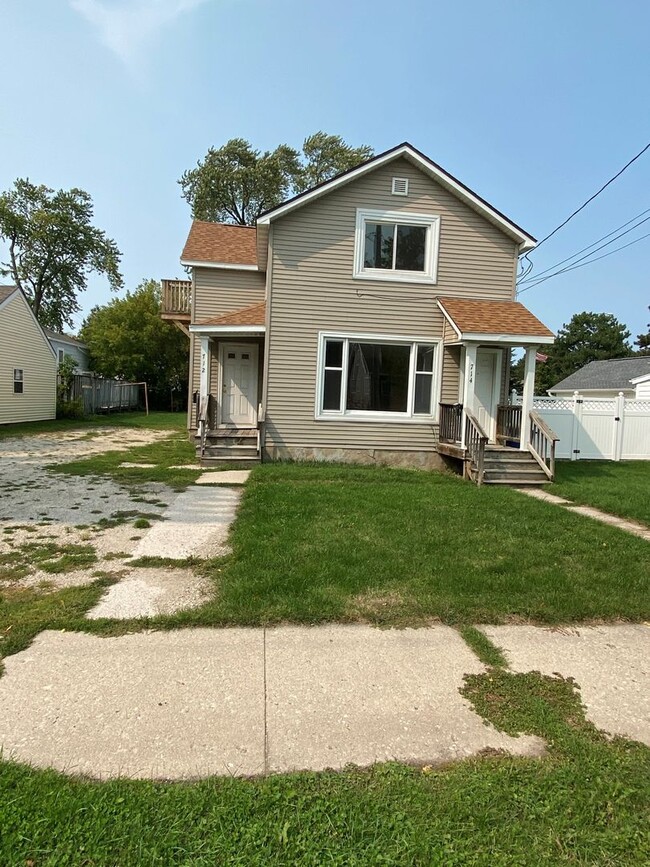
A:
{"x":573,"y":267}
{"x":591,"y":198}
{"x":522,"y":280}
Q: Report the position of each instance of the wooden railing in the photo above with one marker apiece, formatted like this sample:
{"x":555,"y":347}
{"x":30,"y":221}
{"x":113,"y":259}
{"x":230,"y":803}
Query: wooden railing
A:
{"x":475,"y":442}
{"x":541,"y":444}
{"x":508,"y":423}
{"x":451,"y":422}
{"x":177,"y":296}
{"x":203,"y":422}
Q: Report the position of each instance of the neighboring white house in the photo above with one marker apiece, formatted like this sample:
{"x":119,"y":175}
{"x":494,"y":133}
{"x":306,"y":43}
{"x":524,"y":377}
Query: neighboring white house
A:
{"x":28,"y":363}
{"x":65,"y":345}
{"x":608,"y":378}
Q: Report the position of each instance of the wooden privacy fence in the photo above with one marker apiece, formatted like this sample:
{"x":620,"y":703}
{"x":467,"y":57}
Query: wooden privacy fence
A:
{"x":606,"y":428}
{"x":101,"y":395}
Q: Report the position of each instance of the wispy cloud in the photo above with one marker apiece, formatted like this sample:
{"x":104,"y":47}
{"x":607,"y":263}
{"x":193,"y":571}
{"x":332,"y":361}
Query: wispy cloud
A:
{"x":128,"y":27}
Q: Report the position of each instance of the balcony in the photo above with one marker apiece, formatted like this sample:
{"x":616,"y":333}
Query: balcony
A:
{"x":176,"y":300}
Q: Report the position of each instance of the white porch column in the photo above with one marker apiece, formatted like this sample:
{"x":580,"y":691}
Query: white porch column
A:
{"x":469,"y":384}
{"x":204,"y":376}
{"x":529,"y":392}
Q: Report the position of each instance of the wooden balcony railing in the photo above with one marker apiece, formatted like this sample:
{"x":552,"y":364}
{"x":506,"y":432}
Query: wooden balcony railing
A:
{"x":177,"y":297}
{"x":451,"y":421}
{"x":508,"y":423}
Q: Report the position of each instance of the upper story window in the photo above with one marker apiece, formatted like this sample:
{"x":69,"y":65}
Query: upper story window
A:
{"x":393,"y":245}
{"x":61,"y":355}
{"x":19,"y":380}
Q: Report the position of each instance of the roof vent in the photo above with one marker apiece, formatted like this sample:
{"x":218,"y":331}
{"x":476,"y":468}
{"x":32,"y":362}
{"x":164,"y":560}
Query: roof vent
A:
{"x":400,"y":187}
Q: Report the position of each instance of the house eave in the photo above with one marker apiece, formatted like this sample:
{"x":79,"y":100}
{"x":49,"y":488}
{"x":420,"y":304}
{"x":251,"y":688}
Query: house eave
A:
{"x":525,"y":241}
{"x":238,"y":330}
{"x":227,"y":266}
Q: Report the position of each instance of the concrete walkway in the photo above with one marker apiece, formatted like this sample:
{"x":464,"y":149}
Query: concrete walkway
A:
{"x":589,"y":512}
{"x":192,"y":703}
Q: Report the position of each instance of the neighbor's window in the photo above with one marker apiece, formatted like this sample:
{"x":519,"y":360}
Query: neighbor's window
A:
{"x":361,"y":377}
{"x":18,"y":380}
{"x":396,"y":246}
{"x":61,"y":355}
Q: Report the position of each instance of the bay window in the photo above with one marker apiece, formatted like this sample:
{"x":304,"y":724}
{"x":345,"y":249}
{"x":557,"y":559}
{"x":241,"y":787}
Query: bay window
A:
{"x":367,"y":377}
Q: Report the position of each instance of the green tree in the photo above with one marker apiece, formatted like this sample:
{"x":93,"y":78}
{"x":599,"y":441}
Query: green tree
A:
{"x":643,"y":341}
{"x":587,"y":337}
{"x":127,"y":339}
{"x":52,"y":247}
{"x":236,"y":183}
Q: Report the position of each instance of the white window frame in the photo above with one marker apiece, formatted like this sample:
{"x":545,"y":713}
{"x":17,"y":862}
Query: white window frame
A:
{"x":403,"y":218}
{"x":408,"y":417}
{"x":61,"y":355}
{"x":19,"y":376}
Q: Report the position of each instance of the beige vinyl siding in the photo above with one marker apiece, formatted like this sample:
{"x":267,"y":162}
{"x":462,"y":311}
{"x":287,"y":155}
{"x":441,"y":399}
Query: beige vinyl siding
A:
{"x":222,"y":290}
{"x":450,"y":375}
{"x":23,"y":345}
{"x":313,"y":290}
{"x":218,"y":291}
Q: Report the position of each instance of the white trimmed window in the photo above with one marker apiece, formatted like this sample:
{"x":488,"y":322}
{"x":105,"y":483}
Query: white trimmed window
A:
{"x":61,"y":354}
{"x":394,"y":245}
{"x":375,"y":377}
{"x":19,"y":380}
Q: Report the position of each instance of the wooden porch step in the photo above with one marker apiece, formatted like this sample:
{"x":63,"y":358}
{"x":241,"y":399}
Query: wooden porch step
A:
{"x":212,"y":461}
{"x":517,"y":482}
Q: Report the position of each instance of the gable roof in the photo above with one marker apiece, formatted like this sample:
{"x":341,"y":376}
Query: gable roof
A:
{"x":460,"y":190}
{"x":472,"y":318}
{"x":6,"y":292}
{"x":63,"y":338}
{"x":255,"y":314}
{"x":614,"y":373}
{"x":220,"y":244}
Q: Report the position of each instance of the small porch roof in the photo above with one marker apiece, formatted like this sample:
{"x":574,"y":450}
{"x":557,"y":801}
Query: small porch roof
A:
{"x":246,"y":320}
{"x":506,"y":322}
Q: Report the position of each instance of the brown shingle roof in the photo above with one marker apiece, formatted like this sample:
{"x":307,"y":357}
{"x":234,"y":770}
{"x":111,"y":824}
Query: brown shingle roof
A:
{"x":253,"y":315}
{"x":493,"y":317}
{"x":5,"y":292}
{"x":218,"y":242}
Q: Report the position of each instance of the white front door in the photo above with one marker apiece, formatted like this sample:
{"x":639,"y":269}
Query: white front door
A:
{"x":486,"y":394}
{"x":238,"y":385}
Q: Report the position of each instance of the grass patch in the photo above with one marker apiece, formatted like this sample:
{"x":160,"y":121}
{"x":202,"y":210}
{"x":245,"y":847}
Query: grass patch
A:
{"x":47,"y":557}
{"x":487,"y":652}
{"x":587,"y":802}
{"x":311,"y":543}
{"x":164,"y":454}
{"x":620,"y":488}
{"x":141,"y":523}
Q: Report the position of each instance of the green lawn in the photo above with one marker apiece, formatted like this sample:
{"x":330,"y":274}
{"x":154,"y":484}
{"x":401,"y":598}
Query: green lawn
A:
{"x":315,"y":543}
{"x":621,"y":488}
{"x":586,"y":803}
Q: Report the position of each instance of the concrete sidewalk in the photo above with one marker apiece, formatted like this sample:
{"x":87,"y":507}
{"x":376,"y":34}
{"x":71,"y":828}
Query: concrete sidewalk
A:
{"x":197,"y":702}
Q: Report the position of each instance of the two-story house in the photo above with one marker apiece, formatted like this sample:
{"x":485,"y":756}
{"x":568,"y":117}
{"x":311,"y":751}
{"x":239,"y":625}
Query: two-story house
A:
{"x":368,"y":319}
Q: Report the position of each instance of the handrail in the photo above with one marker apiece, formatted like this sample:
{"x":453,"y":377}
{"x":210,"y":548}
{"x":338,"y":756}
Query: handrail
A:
{"x":475,"y":442}
{"x":204,"y":417}
{"x":541,"y":443}
{"x":177,"y":296}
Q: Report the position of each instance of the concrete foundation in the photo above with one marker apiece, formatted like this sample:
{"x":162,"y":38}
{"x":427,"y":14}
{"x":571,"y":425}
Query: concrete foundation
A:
{"x":424,"y":460}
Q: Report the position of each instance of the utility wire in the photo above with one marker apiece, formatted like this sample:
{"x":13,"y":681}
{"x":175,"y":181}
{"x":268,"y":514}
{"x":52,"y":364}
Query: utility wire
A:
{"x":573,"y":267}
{"x":591,"y":198}
{"x":532,"y":280}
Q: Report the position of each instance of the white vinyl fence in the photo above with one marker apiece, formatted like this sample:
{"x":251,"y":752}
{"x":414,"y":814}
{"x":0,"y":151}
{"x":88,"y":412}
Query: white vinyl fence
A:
{"x":597,"y":427}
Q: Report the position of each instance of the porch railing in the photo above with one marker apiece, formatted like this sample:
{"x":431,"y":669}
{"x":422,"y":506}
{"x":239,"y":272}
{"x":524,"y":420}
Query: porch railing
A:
{"x":475,"y":442}
{"x":508,"y":423}
{"x":541,"y":444}
{"x":177,"y":296}
{"x":451,"y":422}
{"x":203,"y":422}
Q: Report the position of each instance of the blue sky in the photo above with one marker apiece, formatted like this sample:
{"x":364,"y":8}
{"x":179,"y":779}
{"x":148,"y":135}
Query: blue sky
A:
{"x":533,"y":105}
